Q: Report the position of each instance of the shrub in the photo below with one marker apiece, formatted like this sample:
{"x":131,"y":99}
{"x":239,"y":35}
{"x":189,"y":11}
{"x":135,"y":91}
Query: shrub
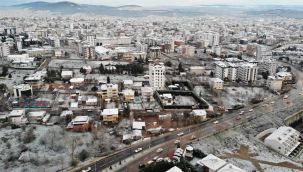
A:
{"x":83,"y":155}
{"x":29,"y":136}
{"x":73,"y":163}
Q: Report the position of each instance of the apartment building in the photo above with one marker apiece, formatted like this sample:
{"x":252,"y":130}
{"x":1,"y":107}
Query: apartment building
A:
{"x":226,"y":70}
{"x":216,"y":83}
{"x":157,"y":75}
{"x":209,"y":38}
{"x":147,"y":94}
{"x":4,"y":50}
{"x":122,"y":40}
{"x":109,"y":91}
{"x":284,"y":140}
{"x":23,"y":90}
{"x":247,"y":72}
{"x":89,"y":52}
{"x":110,"y":115}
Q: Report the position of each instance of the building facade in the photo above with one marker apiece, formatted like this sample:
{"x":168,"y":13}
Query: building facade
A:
{"x":157,"y":75}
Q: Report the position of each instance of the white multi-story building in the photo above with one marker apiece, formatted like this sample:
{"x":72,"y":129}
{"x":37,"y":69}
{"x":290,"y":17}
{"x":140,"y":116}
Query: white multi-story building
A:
{"x":4,"y":50}
{"x":23,"y":90}
{"x":57,"y":42}
{"x":212,"y":39}
{"x":19,"y":43}
{"x":247,"y":72}
{"x":89,"y":52}
{"x":284,"y":140}
{"x":226,"y":70}
{"x":274,"y":83}
{"x":91,"y":39}
{"x":268,"y":65}
{"x":157,"y":75}
{"x":186,"y":50}
{"x":122,"y":40}
{"x":216,"y":83}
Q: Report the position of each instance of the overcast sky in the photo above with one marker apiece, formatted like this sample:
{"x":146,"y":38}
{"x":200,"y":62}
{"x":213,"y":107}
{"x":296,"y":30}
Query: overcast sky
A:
{"x":168,"y":2}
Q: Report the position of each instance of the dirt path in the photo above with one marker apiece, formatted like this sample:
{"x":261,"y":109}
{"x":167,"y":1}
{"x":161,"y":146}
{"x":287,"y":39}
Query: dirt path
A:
{"x":243,"y":153}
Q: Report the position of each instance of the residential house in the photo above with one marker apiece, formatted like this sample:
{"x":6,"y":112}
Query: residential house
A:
{"x":110,"y":115}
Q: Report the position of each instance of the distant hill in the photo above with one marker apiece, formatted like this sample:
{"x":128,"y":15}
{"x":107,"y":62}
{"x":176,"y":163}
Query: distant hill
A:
{"x":66,"y":8}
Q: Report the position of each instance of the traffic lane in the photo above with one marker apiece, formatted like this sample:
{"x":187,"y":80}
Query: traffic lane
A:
{"x":168,"y":148}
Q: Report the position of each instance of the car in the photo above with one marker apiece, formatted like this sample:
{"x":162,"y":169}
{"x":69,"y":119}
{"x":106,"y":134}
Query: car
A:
{"x":155,"y":158}
{"x":180,"y":134}
{"x":159,"y":160}
{"x":216,"y":122}
{"x":150,"y":162}
{"x":238,"y":118}
{"x":87,"y":170}
{"x":300,"y":93}
{"x":138,"y":150}
{"x":272,"y":102}
{"x":192,"y":137}
{"x":250,"y":110}
{"x":285,"y":97}
{"x":159,"y":150}
{"x":171,"y":129}
{"x":141,"y":165}
{"x":177,"y":141}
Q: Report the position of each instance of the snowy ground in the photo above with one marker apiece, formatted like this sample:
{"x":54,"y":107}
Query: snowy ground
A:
{"x":17,"y":77}
{"x":229,"y":142}
{"x":51,"y":149}
{"x":234,"y":95}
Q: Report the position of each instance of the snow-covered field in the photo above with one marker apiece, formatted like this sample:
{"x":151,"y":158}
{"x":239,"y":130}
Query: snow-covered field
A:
{"x":234,"y":95}
{"x":51,"y":148}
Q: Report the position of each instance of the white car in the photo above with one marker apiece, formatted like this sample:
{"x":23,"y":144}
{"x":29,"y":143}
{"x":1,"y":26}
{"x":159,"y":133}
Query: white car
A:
{"x":159,"y":160}
{"x":216,"y":122}
{"x":180,"y":134}
{"x":138,"y":150}
{"x":251,"y":110}
{"x":272,"y":102}
{"x":159,"y":150}
{"x":155,"y":158}
{"x":87,"y":170}
{"x":177,"y":141}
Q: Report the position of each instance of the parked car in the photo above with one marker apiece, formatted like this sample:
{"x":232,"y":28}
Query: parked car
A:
{"x":87,"y":170}
{"x":177,"y":141}
{"x":180,"y":134}
{"x":155,"y":158}
{"x":216,"y":122}
{"x":141,"y":165}
{"x":159,"y":150}
{"x":138,"y":150}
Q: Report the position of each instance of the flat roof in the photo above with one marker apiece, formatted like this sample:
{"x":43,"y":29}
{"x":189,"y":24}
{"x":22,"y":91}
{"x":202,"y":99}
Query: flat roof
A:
{"x":110,"y":112}
{"x":16,"y":113}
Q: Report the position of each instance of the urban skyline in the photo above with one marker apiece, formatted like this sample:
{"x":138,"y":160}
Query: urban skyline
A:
{"x":165,"y":3}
